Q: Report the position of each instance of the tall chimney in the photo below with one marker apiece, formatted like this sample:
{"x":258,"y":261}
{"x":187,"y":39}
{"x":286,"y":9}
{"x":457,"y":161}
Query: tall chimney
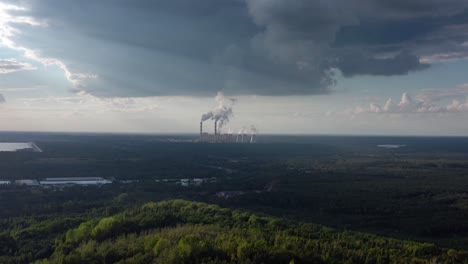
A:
{"x":216,"y":127}
{"x":201,"y":130}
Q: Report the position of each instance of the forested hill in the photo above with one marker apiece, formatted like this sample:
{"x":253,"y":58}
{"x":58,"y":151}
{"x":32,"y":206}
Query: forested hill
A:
{"x":180,"y":231}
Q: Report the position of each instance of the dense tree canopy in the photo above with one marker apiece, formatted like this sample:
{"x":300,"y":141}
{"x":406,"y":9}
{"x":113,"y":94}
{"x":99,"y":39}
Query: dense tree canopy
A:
{"x":180,"y":231}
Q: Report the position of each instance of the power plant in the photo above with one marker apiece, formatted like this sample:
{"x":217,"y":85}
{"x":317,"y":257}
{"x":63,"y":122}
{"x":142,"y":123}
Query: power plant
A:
{"x":221,"y":116}
{"x":244,"y":136}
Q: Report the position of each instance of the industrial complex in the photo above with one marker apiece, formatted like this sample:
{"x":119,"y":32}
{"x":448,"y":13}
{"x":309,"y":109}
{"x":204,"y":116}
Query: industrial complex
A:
{"x":75,"y":181}
{"x":243,"y":136}
{"x":221,"y":115}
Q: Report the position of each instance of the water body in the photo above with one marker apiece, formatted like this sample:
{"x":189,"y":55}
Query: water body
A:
{"x":391,"y":146}
{"x":18,"y":146}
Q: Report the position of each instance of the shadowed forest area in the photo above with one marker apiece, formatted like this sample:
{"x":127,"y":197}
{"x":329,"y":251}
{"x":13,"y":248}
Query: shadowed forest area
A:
{"x":313,"y":200}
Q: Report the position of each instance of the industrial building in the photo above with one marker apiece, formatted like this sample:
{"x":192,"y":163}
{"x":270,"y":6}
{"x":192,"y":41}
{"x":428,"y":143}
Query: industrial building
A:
{"x":27,"y":182}
{"x":218,"y":137}
{"x":75,"y":181}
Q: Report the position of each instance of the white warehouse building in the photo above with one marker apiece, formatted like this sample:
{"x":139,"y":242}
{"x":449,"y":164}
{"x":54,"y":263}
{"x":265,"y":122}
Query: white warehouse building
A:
{"x":75,"y":180}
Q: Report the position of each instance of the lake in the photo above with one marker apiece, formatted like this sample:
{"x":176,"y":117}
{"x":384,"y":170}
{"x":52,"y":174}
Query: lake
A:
{"x":16,"y":146}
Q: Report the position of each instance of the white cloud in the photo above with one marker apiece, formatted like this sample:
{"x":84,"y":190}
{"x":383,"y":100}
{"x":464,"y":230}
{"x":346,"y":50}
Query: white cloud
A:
{"x":7,"y":32}
{"x":389,"y":106}
{"x":22,"y":89}
{"x":431,"y":95}
{"x":12,"y":65}
{"x":425,"y":103}
{"x":88,"y":103}
{"x":375,"y":108}
{"x":406,"y":103}
{"x":445,"y":57}
{"x":457,"y":106}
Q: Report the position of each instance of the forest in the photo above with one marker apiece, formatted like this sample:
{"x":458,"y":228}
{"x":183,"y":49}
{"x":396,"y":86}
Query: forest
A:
{"x":180,"y":231}
{"x":313,"y":200}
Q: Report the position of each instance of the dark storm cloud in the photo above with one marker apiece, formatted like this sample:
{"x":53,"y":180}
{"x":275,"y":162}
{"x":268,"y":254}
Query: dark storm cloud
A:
{"x":414,"y":8}
{"x":267,"y":47}
{"x":362,"y":64}
{"x":356,"y":37}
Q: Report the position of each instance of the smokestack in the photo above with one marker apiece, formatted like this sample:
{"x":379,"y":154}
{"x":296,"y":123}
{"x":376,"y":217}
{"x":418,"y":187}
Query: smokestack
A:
{"x":222,"y":113}
{"x":216,"y":127}
{"x":201,"y":130}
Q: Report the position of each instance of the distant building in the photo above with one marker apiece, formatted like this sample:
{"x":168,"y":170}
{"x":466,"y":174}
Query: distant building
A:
{"x":198,"y":182}
{"x":229,"y":194}
{"x":194,"y":182}
{"x":184,"y":182}
{"x":27,"y":182}
{"x":5,"y":182}
{"x":217,"y":138}
{"x":75,"y":181}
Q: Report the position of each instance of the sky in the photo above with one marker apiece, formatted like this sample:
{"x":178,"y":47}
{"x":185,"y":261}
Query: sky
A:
{"x":357,"y":67}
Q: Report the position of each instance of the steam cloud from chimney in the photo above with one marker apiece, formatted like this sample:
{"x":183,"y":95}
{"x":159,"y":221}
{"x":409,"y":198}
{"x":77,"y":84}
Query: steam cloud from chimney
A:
{"x":253,"y":130}
{"x":222,"y":113}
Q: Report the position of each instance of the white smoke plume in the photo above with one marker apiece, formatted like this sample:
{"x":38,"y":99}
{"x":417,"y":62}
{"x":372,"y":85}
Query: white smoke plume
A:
{"x":223,"y":111}
{"x":240,"y":134}
{"x":253,"y":130}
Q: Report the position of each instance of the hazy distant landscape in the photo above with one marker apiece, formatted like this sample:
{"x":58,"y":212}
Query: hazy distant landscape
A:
{"x":233,"y":131}
{"x":416,"y":192}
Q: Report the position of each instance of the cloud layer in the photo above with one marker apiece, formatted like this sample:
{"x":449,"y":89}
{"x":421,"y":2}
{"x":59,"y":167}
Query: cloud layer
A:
{"x":427,"y":101}
{"x":12,"y":65}
{"x":264,"y":47}
{"x":11,"y":17}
